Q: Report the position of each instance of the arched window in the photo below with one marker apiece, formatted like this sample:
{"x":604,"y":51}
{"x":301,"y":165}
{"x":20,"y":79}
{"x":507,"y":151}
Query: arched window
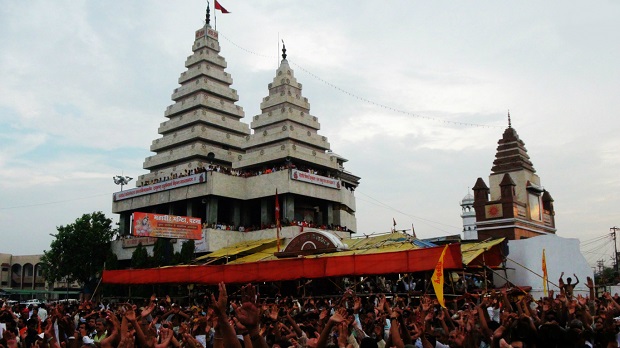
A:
{"x":28,"y":270}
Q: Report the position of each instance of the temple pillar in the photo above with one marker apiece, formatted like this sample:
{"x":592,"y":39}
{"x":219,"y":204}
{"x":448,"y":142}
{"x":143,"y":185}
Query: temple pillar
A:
{"x":211,"y":210}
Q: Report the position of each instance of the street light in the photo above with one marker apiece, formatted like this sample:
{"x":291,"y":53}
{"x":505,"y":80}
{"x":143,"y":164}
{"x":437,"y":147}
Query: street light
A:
{"x":121,"y":180}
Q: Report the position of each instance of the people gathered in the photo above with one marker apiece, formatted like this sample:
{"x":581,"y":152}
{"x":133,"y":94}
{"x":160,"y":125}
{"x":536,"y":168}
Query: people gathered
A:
{"x":506,"y":317}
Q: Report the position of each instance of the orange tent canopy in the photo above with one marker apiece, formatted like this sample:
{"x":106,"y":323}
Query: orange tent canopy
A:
{"x":408,"y":261}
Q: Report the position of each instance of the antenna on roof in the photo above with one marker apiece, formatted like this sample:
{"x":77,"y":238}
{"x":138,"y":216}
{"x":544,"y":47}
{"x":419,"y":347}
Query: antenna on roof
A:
{"x":208,"y":15}
{"x":509,"y":123}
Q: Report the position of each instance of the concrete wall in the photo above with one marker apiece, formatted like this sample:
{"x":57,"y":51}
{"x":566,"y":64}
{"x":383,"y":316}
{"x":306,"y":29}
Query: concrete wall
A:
{"x":562,"y":254}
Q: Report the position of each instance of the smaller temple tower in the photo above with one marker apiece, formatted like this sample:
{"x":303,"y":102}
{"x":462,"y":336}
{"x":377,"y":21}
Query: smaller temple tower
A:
{"x":518,"y":206}
{"x":469,"y":218}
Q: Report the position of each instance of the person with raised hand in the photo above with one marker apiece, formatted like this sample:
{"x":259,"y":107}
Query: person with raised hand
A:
{"x":225,"y":335}
{"x":248,"y":315}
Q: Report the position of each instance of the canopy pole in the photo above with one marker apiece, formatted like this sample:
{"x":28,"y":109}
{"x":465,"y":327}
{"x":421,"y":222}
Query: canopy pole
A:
{"x":541,"y":277}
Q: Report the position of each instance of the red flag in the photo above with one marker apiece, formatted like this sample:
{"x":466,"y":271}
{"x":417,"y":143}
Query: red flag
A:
{"x":545,"y":275}
{"x":277,"y":220}
{"x":277,"y":210}
{"x":220,"y":7}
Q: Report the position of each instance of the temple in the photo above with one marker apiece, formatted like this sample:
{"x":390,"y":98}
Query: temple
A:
{"x":209,"y":164}
{"x":514,"y":205}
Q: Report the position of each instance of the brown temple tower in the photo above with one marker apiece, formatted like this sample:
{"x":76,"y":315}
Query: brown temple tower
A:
{"x":514,"y":205}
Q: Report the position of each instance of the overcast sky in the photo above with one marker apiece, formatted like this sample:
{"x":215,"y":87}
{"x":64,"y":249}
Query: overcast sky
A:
{"x":84,"y":86}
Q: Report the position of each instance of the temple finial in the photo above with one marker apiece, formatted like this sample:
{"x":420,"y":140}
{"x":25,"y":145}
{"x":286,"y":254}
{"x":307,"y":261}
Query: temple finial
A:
{"x":208,"y":15}
{"x":283,"y":50}
{"x":509,"y":123}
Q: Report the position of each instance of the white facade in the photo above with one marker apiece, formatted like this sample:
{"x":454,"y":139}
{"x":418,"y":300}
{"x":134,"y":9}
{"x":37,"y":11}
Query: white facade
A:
{"x":562,"y":255}
{"x":468,"y":214}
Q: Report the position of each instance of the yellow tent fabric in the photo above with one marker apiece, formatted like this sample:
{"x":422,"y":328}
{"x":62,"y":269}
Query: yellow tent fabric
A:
{"x":473,"y":250}
{"x":263,"y":255}
{"x":374,"y":241}
{"x":238,"y":248}
{"x":365,"y":245}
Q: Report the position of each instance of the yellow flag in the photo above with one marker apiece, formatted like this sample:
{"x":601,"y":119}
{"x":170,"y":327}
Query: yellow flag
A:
{"x":437,"y":279}
{"x":545,"y":276}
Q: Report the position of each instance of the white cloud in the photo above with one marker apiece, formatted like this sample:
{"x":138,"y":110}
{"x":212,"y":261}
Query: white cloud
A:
{"x":84,"y":86}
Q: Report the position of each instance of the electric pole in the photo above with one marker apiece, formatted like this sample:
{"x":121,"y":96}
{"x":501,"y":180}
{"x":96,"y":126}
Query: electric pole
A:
{"x":613,"y":233}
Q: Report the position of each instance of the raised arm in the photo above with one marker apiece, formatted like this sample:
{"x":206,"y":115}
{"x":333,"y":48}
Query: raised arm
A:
{"x":249,"y":315}
{"x":108,"y":342}
{"x":229,"y":337}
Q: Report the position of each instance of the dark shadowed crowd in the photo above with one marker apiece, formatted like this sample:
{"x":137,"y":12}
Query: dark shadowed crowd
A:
{"x":506,"y":317}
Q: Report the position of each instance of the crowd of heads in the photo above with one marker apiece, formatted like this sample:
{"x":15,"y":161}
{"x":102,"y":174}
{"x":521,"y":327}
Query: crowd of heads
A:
{"x":241,"y":173}
{"x":497,"y":318}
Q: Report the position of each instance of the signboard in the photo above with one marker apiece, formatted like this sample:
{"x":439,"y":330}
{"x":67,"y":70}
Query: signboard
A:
{"x":162,"y":186}
{"x":210,"y":32}
{"x":492,"y":211}
{"x":166,"y":226}
{"x":315,"y":179}
{"x":133,"y":242}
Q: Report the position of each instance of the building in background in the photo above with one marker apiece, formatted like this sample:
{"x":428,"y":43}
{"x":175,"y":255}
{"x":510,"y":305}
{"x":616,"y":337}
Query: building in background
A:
{"x":21,"y":276}
{"x":468,"y":214}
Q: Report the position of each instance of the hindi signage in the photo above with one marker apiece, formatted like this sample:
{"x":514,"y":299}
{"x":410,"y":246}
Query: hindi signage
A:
{"x":162,"y":186}
{"x":166,"y":226}
{"x":315,"y":179}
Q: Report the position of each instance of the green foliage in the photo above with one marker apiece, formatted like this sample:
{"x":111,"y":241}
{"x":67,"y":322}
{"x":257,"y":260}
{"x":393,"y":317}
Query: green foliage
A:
{"x":79,"y":250}
{"x":607,"y":276}
{"x":111,"y":261}
{"x":162,"y":252}
{"x":187,"y":252}
{"x":140,"y":257}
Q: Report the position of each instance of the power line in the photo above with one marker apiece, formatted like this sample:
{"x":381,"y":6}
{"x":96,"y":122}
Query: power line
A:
{"x":54,"y":202}
{"x":379,"y":203}
{"x":363,"y":99}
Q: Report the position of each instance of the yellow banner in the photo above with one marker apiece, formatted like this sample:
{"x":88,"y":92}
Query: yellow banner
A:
{"x":438,"y":277}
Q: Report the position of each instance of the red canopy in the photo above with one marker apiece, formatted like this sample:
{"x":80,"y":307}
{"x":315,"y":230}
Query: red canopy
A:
{"x":294,"y":268}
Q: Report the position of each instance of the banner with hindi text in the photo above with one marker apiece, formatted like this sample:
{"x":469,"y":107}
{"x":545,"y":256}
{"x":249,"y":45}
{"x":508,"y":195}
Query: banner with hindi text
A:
{"x":166,"y":226}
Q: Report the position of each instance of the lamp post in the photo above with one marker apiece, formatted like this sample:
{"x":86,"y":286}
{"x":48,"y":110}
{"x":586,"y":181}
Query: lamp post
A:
{"x":122,"y":180}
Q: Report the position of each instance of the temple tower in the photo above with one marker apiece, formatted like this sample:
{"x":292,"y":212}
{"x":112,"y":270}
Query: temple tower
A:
{"x":518,"y":206}
{"x":203,"y":120}
{"x":208,"y":164}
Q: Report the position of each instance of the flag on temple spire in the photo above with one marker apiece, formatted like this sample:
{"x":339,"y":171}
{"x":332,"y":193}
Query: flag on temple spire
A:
{"x":220,"y":7}
{"x":545,"y":275}
{"x":277,"y":222}
{"x":438,"y":278}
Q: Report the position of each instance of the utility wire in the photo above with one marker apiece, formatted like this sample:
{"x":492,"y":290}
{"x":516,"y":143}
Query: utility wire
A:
{"x":365,"y":100}
{"x":54,"y":202}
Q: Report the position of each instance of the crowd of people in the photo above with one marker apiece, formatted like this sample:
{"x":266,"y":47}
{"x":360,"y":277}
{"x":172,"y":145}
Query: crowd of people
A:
{"x":285,"y":222}
{"x":234,"y":172}
{"x":497,"y":318}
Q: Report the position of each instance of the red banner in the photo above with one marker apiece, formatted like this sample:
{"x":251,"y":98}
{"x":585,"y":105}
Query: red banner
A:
{"x":294,"y":268}
{"x":166,"y":226}
{"x":315,"y":179}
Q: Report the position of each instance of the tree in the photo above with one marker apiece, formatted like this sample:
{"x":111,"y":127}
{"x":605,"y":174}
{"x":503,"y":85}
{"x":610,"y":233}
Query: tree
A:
{"x":140,"y":257}
{"x":187,"y":252}
{"x":79,"y":250}
{"x":162,"y":252}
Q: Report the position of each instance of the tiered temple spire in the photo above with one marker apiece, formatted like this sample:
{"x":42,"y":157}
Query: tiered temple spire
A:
{"x":204,"y":122}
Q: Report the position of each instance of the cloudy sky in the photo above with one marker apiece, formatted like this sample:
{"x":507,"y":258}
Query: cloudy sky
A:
{"x":84,"y":86}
